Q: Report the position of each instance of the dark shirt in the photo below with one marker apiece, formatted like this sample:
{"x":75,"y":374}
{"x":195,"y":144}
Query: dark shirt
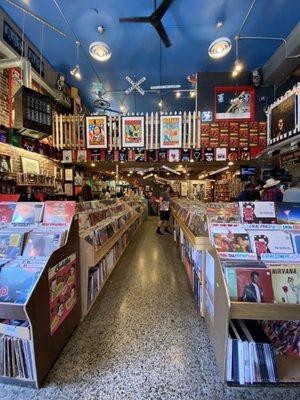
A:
{"x":272,"y":194}
{"x":246,"y":195}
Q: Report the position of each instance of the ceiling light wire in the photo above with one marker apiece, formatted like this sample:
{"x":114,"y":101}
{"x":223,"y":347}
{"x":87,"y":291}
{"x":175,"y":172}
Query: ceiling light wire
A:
{"x":246,"y":17}
{"x":76,"y":38}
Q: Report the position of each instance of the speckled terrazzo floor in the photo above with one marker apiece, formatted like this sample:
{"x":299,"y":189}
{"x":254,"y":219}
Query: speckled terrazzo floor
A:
{"x":143,"y":339}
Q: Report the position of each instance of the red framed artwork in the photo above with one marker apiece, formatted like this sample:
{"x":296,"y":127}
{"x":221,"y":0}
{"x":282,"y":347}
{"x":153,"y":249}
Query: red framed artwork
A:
{"x":234,"y":103}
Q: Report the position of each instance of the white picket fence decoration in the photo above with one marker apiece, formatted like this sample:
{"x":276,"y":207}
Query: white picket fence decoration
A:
{"x":69,"y":131}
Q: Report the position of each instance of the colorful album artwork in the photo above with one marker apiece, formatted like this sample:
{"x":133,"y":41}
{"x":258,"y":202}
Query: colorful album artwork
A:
{"x":62,"y":291}
{"x":296,"y":242}
{"x":28,"y":213}
{"x":59,"y":212}
{"x":173,"y":155}
{"x":258,"y":212}
{"x":250,"y":284}
{"x":6,"y":212}
{"x":133,"y":132}
{"x":286,"y":284}
{"x":170,"y":131}
{"x":10,"y":244}
{"x":96,"y":132}
{"x":42,"y":244}
{"x":275,"y":242}
{"x":288,"y":213}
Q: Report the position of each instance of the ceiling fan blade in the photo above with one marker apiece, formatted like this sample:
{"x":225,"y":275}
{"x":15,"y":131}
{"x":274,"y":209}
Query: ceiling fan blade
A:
{"x":163,"y":34}
{"x":160,"y":12}
{"x":135,"y":19}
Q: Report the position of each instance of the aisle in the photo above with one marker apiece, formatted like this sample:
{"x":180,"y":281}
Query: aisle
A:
{"x":142,"y":340}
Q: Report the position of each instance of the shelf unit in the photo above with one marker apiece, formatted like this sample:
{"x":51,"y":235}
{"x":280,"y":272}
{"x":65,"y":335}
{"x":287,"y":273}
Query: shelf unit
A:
{"x":46,"y":345}
{"x":89,"y":257}
{"x":223,"y":309}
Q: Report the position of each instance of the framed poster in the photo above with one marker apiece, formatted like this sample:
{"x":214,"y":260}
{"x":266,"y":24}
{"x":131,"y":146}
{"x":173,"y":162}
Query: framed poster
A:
{"x":67,"y":156}
{"x":69,"y":174}
{"x":170,"y":131}
{"x":282,"y":119}
{"x":234,"y":103}
{"x":12,"y":38}
{"x":81,"y":156}
{"x":96,"y":132}
{"x":30,"y":166}
{"x":35,"y":61}
{"x":133,"y":132}
{"x":173,"y":155}
{"x":5,"y":163}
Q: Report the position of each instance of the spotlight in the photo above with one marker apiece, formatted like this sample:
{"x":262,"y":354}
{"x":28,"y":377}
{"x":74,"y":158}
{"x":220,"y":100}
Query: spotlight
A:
{"x":192,"y":93}
{"x":238,"y":66}
{"x":234,"y":73}
{"x":230,"y":163}
{"x":219,"y":24}
{"x":122,"y":107}
{"x":160,"y":103}
{"x":178,"y":94}
{"x":76,"y":72}
{"x":93,"y":164}
{"x":100,"y":29}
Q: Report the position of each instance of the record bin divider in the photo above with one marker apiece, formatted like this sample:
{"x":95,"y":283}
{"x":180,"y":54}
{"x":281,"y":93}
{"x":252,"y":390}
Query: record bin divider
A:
{"x":45,"y":348}
{"x":225,"y":309}
{"x":89,"y":257}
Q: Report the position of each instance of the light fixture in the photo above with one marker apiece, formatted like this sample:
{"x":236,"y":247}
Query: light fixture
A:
{"x":76,"y":70}
{"x":192,"y":93}
{"x":230,"y":163}
{"x":219,"y":24}
{"x":122,"y":107}
{"x":100,"y":51}
{"x":178,"y":94}
{"x":187,"y":174}
{"x":93,"y":164}
{"x":238,"y":66}
{"x":168,"y":173}
{"x":184,"y":171}
{"x":100,"y":29}
{"x":219,"y":48}
{"x":160,"y":103}
{"x":234,"y":73}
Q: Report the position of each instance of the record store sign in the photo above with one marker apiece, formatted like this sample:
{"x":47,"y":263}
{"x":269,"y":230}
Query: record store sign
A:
{"x":293,"y":157}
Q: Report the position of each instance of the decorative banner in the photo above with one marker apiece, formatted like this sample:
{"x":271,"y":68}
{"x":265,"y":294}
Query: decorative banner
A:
{"x":214,"y":135}
{"x":205,"y":132}
{"x":224,"y":133}
{"x":170,"y":131}
{"x":133,"y":132}
{"x":244,"y":134}
{"x":62,"y":291}
{"x":96,"y":132}
{"x":234,"y":103}
{"x":253,"y":134}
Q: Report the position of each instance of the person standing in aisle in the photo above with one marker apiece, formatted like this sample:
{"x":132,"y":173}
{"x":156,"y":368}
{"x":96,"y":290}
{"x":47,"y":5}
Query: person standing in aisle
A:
{"x":248,"y":193}
{"x":271,"y":192}
{"x":107,"y":193}
{"x":292,"y":195}
{"x":164,"y":211}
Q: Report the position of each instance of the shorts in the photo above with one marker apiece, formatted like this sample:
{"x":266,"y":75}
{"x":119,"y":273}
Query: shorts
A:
{"x":164,"y":215}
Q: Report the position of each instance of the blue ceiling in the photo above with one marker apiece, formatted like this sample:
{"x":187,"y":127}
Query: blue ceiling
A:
{"x":191,"y":26}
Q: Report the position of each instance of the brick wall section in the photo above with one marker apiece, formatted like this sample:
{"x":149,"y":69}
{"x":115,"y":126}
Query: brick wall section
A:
{"x":4,"y":118}
{"x":47,"y":166}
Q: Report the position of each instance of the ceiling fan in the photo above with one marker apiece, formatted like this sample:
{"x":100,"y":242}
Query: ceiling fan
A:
{"x":155,"y":20}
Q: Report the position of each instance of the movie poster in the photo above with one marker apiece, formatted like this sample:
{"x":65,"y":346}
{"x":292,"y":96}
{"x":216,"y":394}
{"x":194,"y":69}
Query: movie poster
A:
{"x":170,"y":131}
{"x":96,"y":132}
{"x":62,"y":291}
{"x":133,"y":132}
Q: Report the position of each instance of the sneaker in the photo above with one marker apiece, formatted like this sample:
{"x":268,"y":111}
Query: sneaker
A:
{"x":159,"y":231}
{"x":167,"y":231}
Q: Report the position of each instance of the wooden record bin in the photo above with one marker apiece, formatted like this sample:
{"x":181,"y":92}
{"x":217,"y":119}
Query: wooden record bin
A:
{"x":44,"y":346}
{"x":219,"y":309}
{"x":89,"y":257}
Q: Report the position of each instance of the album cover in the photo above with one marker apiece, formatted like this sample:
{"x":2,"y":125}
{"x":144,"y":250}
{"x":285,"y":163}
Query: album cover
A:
{"x":59,"y":212}
{"x":250,"y":284}
{"x":288,"y":213}
{"x":232,"y":153}
{"x":277,"y":242}
{"x":284,"y":336}
{"x":209,"y":154}
{"x":173,"y":155}
{"x":28,"y":213}
{"x":196,"y":155}
{"x":95,"y":154}
{"x":221,"y":154}
{"x":6,"y":212}
{"x":17,"y":283}
{"x":258,"y":212}
{"x":10,"y":244}
{"x":296,"y":242}
{"x":185,"y":155}
{"x":42,"y":244}
{"x":139,"y":155}
{"x":162,"y":155}
{"x":230,"y":239}
{"x":109,"y":156}
{"x":67,"y":156}
{"x":151,"y":155}
{"x":286,"y":284}
{"x":123,"y":155}
{"x":81,"y":156}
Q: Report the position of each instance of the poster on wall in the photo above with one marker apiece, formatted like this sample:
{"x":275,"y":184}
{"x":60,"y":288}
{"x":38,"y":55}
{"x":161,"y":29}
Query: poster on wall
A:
{"x":133,"y":132}
{"x":183,"y":189}
{"x":283,"y":118}
{"x":30,"y":166}
{"x":173,"y":155}
{"x":234,"y":103}
{"x":170,"y":131}
{"x":96,"y":132}
{"x":62,"y":291}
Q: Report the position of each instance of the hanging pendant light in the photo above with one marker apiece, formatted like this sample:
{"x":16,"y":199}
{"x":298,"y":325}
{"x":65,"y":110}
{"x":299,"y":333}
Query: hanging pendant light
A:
{"x":76,"y":70}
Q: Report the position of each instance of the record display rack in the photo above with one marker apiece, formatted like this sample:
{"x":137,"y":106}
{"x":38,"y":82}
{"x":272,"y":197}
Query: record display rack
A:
{"x":200,"y":243}
{"x":44,"y":346}
{"x":89,"y":257}
{"x":217,"y":320}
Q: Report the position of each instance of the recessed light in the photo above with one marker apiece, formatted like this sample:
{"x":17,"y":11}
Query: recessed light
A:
{"x":219,"y":48}
{"x":100,"y":51}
